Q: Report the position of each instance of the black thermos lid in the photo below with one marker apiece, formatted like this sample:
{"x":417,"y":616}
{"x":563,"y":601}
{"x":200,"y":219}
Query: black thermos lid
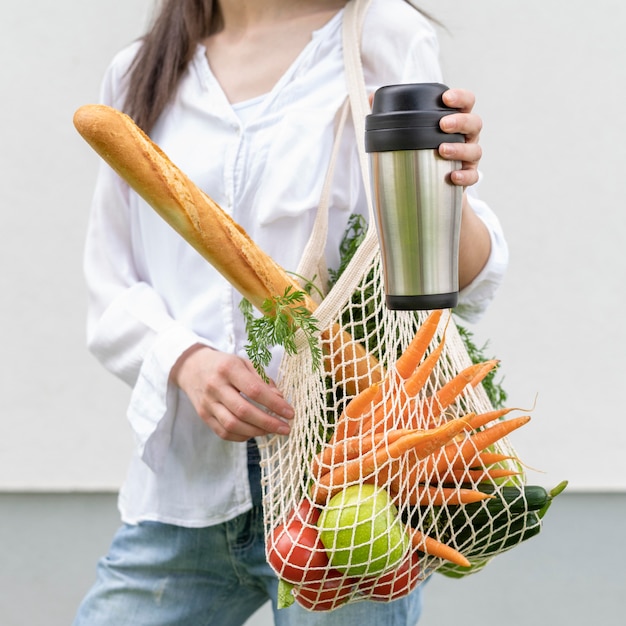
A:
{"x":406,"y":117}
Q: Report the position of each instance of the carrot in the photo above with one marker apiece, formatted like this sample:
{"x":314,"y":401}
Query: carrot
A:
{"x":386,"y":414}
{"x":418,"y":379}
{"x":350,"y":448}
{"x":435,"y":438}
{"x":454,"y":387}
{"x":410,"y":373}
{"x":420,"y":442}
{"x":335,"y":452}
{"x":430,"y":545}
{"x":483,"y":372}
{"x":472,"y":477}
{"x":479,"y":420}
{"x":451,"y":476}
{"x":415,"y":351}
{"x":482,"y":459}
{"x":386,"y":474}
{"x":428,"y":495}
{"x":360,"y":405}
{"x":451,"y":454}
{"x":483,"y":438}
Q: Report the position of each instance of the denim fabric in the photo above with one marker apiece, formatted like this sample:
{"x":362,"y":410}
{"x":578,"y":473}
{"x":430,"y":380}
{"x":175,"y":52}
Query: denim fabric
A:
{"x":163,"y":575}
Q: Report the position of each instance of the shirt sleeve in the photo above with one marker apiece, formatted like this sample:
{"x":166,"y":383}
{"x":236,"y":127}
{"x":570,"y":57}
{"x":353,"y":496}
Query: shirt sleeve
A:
{"x":129,"y":329}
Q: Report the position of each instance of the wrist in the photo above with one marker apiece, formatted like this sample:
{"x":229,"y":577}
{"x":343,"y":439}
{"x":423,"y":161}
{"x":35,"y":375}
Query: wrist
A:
{"x":179,"y":368}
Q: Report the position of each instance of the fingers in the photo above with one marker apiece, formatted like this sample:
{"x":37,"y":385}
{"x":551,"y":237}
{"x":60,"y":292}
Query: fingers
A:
{"x":469,"y":154}
{"x":466,"y":123}
{"x":236,"y":418}
{"x":230,"y":396}
{"x":246,"y":408}
{"x":460,"y":99}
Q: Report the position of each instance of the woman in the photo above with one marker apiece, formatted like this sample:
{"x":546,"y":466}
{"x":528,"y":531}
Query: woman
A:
{"x":242,"y":95}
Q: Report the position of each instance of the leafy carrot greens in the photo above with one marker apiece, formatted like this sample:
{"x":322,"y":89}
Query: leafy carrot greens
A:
{"x":282,"y":318}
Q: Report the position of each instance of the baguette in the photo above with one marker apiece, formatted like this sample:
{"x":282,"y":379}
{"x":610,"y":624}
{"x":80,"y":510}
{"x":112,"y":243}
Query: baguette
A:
{"x":195,"y":216}
{"x":211,"y":231}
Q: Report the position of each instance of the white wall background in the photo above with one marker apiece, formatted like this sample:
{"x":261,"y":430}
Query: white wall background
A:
{"x":549,"y":77}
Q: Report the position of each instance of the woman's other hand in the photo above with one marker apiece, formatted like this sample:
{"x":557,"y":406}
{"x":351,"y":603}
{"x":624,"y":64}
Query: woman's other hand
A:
{"x":468,"y":124}
{"x":220,"y":387}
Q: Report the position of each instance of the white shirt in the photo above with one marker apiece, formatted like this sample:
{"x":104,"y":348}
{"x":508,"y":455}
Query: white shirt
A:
{"x":152,"y":296}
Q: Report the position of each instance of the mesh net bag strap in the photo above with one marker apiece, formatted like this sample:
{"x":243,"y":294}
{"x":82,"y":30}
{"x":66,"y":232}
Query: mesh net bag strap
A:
{"x":312,"y":265}
{"x":357,"y":103}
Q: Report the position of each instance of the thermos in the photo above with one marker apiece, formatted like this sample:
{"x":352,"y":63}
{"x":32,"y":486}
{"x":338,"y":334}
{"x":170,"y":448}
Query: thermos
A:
{"x":417,"y":208}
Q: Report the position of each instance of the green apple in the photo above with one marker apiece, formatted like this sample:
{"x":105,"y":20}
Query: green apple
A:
{"x":362,"y":532}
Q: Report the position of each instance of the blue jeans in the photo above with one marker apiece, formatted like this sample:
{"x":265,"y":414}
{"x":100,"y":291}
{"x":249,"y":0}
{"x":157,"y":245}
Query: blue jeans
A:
{"x":160,"y":575}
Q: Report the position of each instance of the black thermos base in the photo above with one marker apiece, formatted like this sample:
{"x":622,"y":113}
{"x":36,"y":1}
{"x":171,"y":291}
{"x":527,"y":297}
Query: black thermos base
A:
{"x":423,"y":303}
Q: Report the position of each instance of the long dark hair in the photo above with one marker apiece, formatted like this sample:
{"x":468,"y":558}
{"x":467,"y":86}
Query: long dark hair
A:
{"x":167,"y":48}
{"x":164,"y":55}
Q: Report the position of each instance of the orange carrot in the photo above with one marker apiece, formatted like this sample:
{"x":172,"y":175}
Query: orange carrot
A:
{"x":359,"y":406}
{"x":454,"y":387}
{"x":473,"y":444}
{"x":363,"y":401}
{"x":430,"y":545}
{"x":418,"y":379}
{"x":429,"y":495}
{"x":409,"y":374}
{"x":386,"y":414}
{"x":420,"y":442}
{"x":482,"y":419}
{"x":435,"y":438}
{"x":386,"y":474}
{"x":415,"y":351}
{"x":482,"y":459}
{"x":452,"y":476}
{"x":483,"y":372}
{"x":472,"y":477}
{"x":350,"y":448}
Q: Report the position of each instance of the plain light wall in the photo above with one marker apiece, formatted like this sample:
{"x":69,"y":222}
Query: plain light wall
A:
{"x":548,"y":78}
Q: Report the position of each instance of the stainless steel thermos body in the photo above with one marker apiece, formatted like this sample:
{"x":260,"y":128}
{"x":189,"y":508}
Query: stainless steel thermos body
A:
{"x":417,"y":208}
{"x":418,"y":223}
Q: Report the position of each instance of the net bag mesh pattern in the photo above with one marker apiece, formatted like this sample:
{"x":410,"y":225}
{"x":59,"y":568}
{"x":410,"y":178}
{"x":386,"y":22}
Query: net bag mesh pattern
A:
{"x":361,"y":535}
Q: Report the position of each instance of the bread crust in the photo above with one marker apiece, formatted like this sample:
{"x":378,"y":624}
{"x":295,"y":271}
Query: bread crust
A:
{"x":193,"y":214}
{"x":211,"y":231}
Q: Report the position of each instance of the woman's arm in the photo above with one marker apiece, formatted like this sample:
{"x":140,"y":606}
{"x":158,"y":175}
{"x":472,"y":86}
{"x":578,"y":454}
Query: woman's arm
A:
{"x":475,"y":241}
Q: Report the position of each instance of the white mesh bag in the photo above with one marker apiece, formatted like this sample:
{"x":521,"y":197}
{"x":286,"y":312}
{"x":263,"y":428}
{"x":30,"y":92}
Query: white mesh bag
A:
{"x":398,"y":473}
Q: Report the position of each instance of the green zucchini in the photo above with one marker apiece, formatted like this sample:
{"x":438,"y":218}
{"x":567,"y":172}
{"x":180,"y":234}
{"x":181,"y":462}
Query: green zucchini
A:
{"x":516,"y":499}
{"x":482,"y":535}
{"x":507,"y":503}
{"x":495,"y":528}
{"x":487,"y":542}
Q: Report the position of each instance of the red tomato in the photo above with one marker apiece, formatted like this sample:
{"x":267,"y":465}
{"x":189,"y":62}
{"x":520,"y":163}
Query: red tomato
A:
{"x":325,"y":595}
{"x":294,"y":549}
{"x":306,"y":512}
{"x":394,"y":584}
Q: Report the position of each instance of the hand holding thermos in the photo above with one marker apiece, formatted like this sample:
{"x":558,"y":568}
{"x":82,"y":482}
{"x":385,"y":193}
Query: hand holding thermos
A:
{"x":417,"y":207}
